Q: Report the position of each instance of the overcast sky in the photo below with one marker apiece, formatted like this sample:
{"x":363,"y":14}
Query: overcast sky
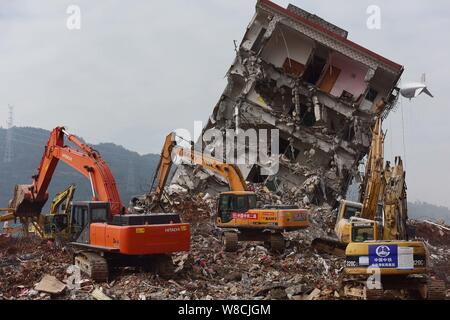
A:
{"x":138,"y":69}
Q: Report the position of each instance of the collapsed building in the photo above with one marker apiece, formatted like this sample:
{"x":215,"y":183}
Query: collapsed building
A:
{"x":300,"y":74}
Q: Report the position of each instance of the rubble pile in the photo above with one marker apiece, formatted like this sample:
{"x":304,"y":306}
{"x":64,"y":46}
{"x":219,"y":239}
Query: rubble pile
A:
{"x":23,"y":262}
{"x":437,"y":237}
{"x":206,"y":272}
{"x":435,"y":234}
{"x":193,"y":208}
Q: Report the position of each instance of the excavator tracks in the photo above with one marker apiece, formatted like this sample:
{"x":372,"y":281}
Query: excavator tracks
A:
{"x":436,"y":290}
{"x":329,"y":246}
{"x":231,"y":241}
{"x":277,"y":243}
{"x":93,"y":265}
{"x":160,"y":264}
{"x":375,"y":294}
{"x":415,"y":288}
{"x":273,"y":241}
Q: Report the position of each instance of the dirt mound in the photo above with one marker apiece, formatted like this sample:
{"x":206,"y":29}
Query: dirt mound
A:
{"x":433,"y":233}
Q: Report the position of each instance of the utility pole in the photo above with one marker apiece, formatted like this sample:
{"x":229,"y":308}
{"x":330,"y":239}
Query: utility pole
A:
{"x":8,"y":156}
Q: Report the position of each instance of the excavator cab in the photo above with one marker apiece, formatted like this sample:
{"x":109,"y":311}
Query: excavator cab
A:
{"x":83,"y":214}
{"x":350,"y":227}
{"x":55,"y":224}
{"x":231,"y":203}
{"x":347,"y":211}
{"x":362,"y":230}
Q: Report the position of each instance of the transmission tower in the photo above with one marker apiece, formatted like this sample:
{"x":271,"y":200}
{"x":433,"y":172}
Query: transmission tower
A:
{"x":131,"y":178}
{"x":8,"y":156}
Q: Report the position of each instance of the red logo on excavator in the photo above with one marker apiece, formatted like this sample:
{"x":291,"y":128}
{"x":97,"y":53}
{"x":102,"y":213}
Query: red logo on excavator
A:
{"x":245,"y":216}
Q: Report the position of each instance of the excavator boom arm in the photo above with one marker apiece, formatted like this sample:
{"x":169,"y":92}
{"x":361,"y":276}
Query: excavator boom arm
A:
{"x":386,"y":185}
{"x":395,"y":202}
{"x":64,"y":196}
{"x":28,"y":201}
{"x":373,"y":179}
{"x":164,"y":166}
{"x":228,"y":171}
{"x":6,"y":217}
{"x":170,"y":150}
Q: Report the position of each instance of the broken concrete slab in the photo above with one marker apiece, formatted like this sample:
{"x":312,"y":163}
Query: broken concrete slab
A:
{"x":314,"y":295}
{"x":354,"y":292}
{"x":98,"y":294}
{"x":296,"y":290}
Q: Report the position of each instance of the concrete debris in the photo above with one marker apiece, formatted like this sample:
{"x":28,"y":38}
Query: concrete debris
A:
{"x":98,"y":294}
{"x":437,"y":238}
{"x":354,"y":292}
{"x":296,"y":291}
{"x":314,"y":295}
{"x":207,"y":272}
{"x":438,"y":234}
{"x":49,"y":284}
{"x":25,"y":262}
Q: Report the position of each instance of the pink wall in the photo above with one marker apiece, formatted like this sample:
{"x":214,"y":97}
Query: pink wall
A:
{"x":351,"y":78}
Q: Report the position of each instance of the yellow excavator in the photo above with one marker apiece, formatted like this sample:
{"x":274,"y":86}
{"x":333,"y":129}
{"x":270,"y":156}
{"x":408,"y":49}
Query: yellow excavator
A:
{"x":373,"y":183}
{"x":5,"y":219}
{"x":370,"y":207}
{"x":375,"y":233}
{"x":237,"y":217}
{"x":55,"y":224}
{"x":9,"y":216}
{"x":380,"y":255}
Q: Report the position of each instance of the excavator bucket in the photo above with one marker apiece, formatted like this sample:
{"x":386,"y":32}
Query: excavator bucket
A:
{"x":23,"y":205}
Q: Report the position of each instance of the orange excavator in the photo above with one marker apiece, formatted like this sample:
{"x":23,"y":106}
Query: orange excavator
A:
{"x":238,"y":214}
{"x":103,"y":234}
{"x":172,"y":150}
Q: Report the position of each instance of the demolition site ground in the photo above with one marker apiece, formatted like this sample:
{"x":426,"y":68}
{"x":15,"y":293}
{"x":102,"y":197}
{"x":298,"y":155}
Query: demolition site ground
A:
{"x":32,"y":269}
